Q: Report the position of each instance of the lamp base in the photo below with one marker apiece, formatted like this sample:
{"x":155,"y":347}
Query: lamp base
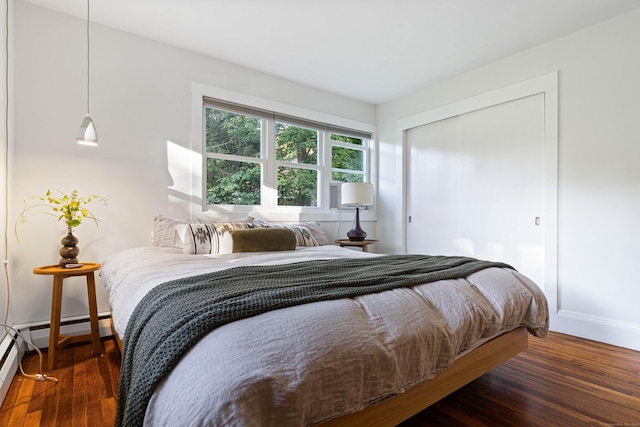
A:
{"x":357,"y":234}
{"x":356,"y":239}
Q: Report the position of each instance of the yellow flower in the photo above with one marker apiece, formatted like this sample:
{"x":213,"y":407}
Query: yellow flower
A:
{"x":69,"y":208}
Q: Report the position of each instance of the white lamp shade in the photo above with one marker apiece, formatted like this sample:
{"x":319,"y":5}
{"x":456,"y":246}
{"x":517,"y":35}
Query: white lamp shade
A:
{"x":356,"y":193}
{"x":87,"y":134}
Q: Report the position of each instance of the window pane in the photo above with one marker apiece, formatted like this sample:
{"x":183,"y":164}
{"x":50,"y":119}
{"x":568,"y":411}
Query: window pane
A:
{"x":297,"y":187}
{"x":347,"y":177}
{"x":349,"y":139}
{"x":346,"y":158}
{"x":231,"y":133}
{"x":295,"y":144}
{"x":233,"y":183}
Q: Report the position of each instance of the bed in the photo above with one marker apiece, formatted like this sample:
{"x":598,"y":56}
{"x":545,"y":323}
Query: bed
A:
{"x":372,"y":359}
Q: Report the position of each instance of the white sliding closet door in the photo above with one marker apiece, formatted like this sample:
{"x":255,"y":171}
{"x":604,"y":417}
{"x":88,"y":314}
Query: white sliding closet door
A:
{"x":475,"y":185}
{"x":433,"y":188}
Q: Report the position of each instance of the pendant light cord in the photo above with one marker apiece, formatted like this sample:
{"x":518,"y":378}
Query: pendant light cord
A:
{"x":88,"y":57}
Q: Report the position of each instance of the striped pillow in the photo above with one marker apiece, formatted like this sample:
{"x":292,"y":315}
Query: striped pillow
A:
{"x":316,"y":231}
{"x":204,"y":238}
{"x":196,"y":238}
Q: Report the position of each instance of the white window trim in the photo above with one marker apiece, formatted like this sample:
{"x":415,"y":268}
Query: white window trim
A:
{"x":280,"y":213}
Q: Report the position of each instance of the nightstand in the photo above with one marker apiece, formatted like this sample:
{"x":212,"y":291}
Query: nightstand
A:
{"x":56,"y":340}
{"x":363,"y":244}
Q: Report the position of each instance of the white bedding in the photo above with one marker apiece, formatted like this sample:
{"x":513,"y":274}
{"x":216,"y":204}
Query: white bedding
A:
{"x":305,"y":364}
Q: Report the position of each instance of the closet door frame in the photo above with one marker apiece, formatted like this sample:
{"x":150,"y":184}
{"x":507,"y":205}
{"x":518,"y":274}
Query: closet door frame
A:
{"x":548,"y":86}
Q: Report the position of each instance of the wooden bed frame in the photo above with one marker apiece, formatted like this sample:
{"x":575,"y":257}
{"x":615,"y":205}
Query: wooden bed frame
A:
{"x":115,"y":334}
{"x":465,"y":369}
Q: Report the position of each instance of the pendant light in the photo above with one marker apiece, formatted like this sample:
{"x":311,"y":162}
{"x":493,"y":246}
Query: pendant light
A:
{"x":87,"y":134}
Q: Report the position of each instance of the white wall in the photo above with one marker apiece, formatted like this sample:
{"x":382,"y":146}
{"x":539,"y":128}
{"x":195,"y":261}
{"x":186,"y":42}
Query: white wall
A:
{"x":599,"y":177}
{"x":140,"y":101}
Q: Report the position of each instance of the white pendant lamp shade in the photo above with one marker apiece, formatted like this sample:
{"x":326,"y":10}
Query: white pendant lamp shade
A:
{"x":87,"y":134}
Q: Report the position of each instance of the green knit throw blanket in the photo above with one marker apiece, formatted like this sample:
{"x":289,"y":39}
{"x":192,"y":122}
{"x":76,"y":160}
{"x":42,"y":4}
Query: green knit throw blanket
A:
{"x":174,"y":316}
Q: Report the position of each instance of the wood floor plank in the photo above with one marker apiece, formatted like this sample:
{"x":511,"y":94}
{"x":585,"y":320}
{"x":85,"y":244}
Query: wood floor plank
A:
{"x":558,"y":381}
{"x":112,"y":362}
{"x":33,"y":419}
{"x":21,"y":401}
{"x":108,"y":407}
{"x":64,"y":400}
{"x":26,"y":392}
{"x":80,"y":392}
{"x":18,"y":415}
{"x":96,"y":392}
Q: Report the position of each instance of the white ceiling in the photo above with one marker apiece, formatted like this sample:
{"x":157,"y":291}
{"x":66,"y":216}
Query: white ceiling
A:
{"x":370,"y":50}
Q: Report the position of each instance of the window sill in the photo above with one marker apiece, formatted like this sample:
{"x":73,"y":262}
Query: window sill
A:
{"x":291,"y":215}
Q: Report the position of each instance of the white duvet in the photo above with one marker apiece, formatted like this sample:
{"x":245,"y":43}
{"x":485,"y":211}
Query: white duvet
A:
{"x":303,"y":365}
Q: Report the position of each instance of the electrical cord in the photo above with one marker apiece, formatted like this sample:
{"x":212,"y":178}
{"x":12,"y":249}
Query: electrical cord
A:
{"x":40,"y":376}
{"x":339,"y":223}
{"x":6,"y":161}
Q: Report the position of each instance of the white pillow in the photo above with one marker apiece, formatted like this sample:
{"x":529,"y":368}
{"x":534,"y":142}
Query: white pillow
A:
{"x":164,"y":231}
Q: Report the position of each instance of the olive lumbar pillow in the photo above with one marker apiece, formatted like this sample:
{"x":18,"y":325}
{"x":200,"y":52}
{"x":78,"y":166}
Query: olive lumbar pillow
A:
{"x":258,"y":240}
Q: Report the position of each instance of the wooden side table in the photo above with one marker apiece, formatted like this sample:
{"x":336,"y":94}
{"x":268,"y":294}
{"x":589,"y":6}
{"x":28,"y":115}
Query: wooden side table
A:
{"x":363,"y":244}
{"x":56,"y":340}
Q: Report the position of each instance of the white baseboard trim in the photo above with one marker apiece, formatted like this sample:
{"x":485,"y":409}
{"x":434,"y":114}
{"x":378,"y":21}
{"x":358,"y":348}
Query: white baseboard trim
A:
{"x":40,"y":333}
{"x":602,"y":329}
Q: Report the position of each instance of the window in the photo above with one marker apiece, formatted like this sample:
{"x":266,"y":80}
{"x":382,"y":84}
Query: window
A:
{"x":255,"y":157}
{"x":232,"y":158}
{"x":347,"y":158}
{"x":297,"y":164}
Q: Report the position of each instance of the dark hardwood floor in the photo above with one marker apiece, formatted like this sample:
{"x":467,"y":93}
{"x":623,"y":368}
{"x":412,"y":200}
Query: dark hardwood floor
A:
{"x":83,"y":396}
{"x":559,"y":381}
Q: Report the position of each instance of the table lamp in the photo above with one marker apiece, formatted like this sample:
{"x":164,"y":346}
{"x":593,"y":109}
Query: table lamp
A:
{"x":358,"y":194}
